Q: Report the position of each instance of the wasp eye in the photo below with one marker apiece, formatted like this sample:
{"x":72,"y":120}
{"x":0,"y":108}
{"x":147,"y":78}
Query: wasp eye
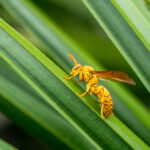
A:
{"x":75,"y":68}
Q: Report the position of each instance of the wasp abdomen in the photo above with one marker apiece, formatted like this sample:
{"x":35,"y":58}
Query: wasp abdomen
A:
{"x":105,"y":100}
{"x":108,"y":106}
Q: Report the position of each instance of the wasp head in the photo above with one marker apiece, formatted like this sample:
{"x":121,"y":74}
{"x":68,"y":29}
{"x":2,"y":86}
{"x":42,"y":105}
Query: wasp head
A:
{"x":76,"y":68}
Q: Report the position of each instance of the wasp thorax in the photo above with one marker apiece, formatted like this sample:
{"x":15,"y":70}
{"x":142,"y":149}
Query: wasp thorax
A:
{"x":75,"y":69}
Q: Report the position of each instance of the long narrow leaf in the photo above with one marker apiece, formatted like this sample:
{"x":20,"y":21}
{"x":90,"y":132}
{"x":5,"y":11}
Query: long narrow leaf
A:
{"x":130,"y":12}
{"x":30,"y":111}
{"x":5,"y":146}
{"x":131,"y":46}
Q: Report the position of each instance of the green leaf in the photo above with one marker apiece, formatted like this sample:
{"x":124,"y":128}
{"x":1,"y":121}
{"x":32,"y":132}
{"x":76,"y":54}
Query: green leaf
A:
{"x":147,"y":3}
{"x":133,"y":16}
{"x":47,"y":79}
{"x":30,"y":111}
{"x":58,"y":45}
{"x":5,"y":146}
{"x":132,"y":45}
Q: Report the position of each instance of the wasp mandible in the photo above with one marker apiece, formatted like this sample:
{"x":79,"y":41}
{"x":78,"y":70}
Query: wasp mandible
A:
{"x":90,"y":77}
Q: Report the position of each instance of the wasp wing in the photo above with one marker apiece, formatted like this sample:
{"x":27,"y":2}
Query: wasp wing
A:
{"x":114,"y":75}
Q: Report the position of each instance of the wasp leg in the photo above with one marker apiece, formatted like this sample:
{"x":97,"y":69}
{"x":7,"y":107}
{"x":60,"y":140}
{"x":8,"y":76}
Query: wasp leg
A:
{"x":71,"y":76}
{"x":102,"y":104}
{"x":87,"y":90}
{"x":92,"y":89}
{"x":102,"y":107}
{"x":91,"y":93}
{"x":77,"y":81}
{"x":68,"y":77}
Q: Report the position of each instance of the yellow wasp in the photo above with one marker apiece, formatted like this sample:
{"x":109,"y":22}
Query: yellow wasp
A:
{"x":90,"y":77}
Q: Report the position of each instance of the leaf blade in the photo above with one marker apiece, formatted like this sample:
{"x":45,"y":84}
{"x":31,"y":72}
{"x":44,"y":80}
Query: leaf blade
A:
{"x":123,"y":37}
{"x":5,"y":146}
{"x":41,"y":124}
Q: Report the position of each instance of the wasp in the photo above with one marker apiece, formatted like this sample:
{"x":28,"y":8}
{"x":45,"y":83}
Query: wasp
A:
{"x":88,"y":75}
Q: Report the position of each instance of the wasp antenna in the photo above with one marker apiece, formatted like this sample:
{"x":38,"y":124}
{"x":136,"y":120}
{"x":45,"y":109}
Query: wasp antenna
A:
{"x":72,"y":59}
